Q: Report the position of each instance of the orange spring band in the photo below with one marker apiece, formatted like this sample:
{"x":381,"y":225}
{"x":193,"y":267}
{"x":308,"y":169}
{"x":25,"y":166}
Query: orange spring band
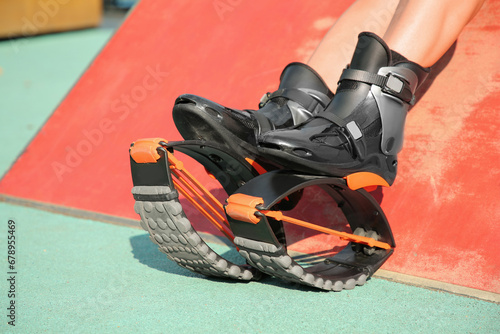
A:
{"x":261,"y":170}
{"x":243,"y":207}
{"x":145,"y":151}
{"x":225,"y":230}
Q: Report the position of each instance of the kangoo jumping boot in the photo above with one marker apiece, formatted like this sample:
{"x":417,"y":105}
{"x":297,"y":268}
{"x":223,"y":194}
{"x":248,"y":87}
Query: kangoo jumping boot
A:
{"x":301,"y":94}
{"x":361,"y":130}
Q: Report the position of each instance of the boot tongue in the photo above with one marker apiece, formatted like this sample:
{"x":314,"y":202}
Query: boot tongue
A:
{"x":298,"y":75}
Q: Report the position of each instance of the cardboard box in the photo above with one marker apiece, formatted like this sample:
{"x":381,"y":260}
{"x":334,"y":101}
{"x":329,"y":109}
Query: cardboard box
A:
{"x":20,"y":18}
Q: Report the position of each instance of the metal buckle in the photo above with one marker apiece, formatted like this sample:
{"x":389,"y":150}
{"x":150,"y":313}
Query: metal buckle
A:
{"x":354,"y":130}
{"x":394,"y":83}
{"x":264,"y":99}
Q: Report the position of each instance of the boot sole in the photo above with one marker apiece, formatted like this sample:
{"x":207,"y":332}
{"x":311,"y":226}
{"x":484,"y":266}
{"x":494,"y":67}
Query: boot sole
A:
{"x":194,"y":123}
{"x":374,"y":163}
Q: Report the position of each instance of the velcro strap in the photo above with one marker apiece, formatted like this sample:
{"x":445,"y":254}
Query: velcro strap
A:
{"x":390,"y":84}
{"x":296,"y":95}
{"x":264,"y":124}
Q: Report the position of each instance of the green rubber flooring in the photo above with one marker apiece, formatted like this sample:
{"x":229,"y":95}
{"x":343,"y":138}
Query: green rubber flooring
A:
{"x":35,"y":75}
{"x":75,"y":275}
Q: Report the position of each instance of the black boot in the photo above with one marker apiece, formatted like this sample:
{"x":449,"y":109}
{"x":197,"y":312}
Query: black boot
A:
{"x":361,"y":130}
{"x":301,"y":94}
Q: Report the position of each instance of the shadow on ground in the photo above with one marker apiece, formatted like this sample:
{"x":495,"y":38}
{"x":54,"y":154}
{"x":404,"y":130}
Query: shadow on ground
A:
{"x":147,"y":253}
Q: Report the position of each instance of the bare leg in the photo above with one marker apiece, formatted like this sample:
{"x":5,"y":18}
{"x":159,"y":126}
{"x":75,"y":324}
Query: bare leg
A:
{"x":420,"y":30}
{"x":423,"y":30}
{"x":335,"y":50}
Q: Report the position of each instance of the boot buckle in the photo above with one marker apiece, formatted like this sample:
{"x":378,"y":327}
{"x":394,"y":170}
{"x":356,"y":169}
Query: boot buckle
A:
{"x":393,"y":84}
{"x":264,"y":99}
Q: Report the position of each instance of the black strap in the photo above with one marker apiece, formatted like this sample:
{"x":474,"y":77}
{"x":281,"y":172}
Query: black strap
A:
{"x":389,"y":83}
{"x":363,"y":76}
{"x":296,"y":95}
{"x":332,"y":118}
{"x":264,"y":123}
{"x":156,"y":197}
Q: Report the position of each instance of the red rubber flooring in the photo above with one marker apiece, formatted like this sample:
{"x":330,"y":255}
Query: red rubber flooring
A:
{"x":443,"y":208}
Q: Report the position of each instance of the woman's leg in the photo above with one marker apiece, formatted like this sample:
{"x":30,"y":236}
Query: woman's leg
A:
{"x":420,"y":30}
{"x":423,"y":30}
{"x":335,"y":50}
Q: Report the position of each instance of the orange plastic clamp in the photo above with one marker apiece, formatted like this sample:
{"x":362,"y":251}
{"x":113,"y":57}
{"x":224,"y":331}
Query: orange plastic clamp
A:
{"x":242,"y":207}
{"x":144,"y":151}
{"x":365,"y":180}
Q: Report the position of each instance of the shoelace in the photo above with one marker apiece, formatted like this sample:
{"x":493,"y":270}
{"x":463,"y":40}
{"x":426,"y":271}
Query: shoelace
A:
{"x":339,"y":132}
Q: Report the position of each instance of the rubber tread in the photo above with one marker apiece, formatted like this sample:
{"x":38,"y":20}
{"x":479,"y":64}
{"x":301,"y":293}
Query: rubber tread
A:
{"x":276,"y":262}
{"x":170,"y":229}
